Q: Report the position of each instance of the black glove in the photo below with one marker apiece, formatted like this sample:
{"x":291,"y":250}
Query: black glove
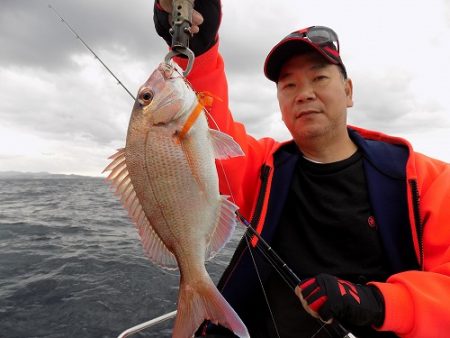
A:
{"x":206,"y":37}
{"x":331,"y":297}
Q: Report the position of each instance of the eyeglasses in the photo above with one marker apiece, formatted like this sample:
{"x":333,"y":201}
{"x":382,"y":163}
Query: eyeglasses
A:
{"x":321,"y":36}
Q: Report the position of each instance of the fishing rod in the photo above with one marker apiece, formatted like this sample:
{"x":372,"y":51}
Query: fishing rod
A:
{"x":89,"y":48}
{"x":286,"y":272}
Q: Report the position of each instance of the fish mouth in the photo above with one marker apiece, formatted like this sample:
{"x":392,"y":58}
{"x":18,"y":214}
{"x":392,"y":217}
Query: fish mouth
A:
{"x":170,"y":70}
{"x":166,"y":70}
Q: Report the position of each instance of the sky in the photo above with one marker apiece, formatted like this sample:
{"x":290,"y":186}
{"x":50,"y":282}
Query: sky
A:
{"x":62,"y":112}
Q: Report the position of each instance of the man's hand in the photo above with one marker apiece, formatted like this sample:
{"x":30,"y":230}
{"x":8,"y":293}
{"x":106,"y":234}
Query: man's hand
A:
{"x":206,"y":18}
{"x":327,"y":297}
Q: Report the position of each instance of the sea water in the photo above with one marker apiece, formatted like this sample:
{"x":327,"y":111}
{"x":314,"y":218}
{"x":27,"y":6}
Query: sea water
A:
{"x":72,"y":265}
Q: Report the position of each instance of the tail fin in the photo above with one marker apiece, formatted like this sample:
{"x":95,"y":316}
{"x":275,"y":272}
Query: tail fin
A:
{"x":200,"y":301}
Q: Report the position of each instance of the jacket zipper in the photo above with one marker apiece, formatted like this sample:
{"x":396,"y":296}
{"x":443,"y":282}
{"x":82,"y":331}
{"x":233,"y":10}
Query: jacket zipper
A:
{"x":417,"y":219}
{"x":264,"y":175}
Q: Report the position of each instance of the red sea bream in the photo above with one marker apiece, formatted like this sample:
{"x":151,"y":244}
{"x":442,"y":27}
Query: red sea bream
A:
{"x":167,"y":180}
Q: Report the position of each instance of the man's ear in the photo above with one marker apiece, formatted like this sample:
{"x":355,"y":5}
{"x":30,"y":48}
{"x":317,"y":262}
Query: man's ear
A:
{"x":349,"y":92}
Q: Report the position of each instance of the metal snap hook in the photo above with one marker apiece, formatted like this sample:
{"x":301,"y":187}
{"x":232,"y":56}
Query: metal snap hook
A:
{"x":182,"y":51}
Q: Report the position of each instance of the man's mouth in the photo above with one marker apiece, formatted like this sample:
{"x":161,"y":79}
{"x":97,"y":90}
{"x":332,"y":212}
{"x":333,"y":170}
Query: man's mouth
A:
{"x":304,"y":113}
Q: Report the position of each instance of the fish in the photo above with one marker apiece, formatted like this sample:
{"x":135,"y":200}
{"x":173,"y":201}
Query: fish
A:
{"x":166,"y":178}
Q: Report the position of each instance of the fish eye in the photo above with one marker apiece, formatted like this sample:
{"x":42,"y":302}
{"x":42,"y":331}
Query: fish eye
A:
{"x":146,"y":96}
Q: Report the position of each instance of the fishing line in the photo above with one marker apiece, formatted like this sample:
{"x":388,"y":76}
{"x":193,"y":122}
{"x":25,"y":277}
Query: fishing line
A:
{"x":323,"y":325}
{"x":269,"y":259}
{"x":247,"y":238}
{"x":89,"y":48}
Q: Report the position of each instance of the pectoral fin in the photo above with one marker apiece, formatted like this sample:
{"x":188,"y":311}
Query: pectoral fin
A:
{"x":224,"y":145}
{"x":225,"y":225}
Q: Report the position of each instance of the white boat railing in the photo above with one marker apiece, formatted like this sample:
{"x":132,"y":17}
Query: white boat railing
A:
{"x":146,"y":325}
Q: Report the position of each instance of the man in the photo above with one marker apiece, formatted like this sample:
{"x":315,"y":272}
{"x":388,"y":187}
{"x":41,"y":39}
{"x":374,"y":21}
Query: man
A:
{"x":360,"y":217}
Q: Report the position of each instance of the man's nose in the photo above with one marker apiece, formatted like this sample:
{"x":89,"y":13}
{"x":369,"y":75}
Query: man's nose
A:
{"x":305,"y":93}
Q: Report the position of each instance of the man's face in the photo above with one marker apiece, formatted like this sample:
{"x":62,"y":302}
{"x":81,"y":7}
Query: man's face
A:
{"x":313,"y":97}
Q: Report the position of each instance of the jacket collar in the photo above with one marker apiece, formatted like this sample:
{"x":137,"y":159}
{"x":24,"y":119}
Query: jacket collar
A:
{"x":387,"y":154}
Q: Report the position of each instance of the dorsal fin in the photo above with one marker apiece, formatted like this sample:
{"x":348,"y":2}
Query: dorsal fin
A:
{"x":119,"y":178}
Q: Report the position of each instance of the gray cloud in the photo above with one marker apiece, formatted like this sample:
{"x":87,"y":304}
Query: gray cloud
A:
{"x":253,"y":101}
{"x":388,"y":103}
{"x":31,"y":34}
{"x":53,"y":108}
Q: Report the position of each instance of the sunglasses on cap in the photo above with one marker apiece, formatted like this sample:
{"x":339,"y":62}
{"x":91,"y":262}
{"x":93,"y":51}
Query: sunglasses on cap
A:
{"x":321,"y":36}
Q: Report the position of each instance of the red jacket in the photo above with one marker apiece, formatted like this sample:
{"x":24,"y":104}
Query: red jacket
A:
{"x":416,"y":300}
